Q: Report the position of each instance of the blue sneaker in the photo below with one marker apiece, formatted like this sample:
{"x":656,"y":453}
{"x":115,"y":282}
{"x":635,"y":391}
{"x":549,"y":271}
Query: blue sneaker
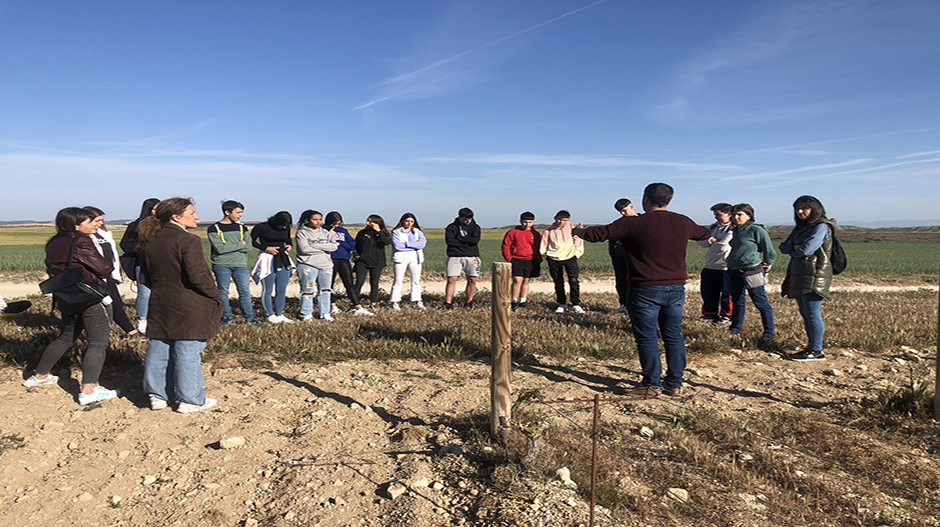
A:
{"x":100,"y":394}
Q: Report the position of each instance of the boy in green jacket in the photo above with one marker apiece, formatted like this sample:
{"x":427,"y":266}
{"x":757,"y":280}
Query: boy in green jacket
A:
{"x":229,"y":257}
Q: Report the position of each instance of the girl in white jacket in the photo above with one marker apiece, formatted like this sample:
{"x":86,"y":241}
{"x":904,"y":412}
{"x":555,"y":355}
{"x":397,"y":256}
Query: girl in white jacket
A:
{"x":408,"y":242}
{"x":104,"y":242}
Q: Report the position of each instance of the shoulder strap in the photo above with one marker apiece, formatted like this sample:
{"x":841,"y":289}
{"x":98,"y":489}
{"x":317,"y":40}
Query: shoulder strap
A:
{"x":68,"y":261}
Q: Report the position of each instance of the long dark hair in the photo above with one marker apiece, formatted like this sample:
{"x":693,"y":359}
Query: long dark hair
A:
{"x":146,"y":208}
{"x":404,"y":217}
{"x":281,"y":220}
{"x":745,"y":208}
{"x":818,"y":212}
{"x":97,"y":212}
{"x":162,"y":214}
{"x":332,"y":217}
{"x":378,"y":220}
{"x":306,"y":216}
{"x":67,"y":219}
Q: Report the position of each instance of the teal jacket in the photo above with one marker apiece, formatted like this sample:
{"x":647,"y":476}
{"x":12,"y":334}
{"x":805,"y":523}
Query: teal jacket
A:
{"x":748,"y":245}
{"x":229,"y":249}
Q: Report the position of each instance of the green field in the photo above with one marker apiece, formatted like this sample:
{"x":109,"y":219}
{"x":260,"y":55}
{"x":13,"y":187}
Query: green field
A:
{"x":21,"y":250}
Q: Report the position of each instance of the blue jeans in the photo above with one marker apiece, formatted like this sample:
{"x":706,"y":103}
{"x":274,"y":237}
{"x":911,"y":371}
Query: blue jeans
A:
{"x":658,"y":306}
{"x":276,"y":284}
{"x":173,"y":370}
{"x":143,"y":296}
{"x":242,"y":279}
{"x":738,"y":303}
{"x":313,"y":279}
{"x":810,"y":306}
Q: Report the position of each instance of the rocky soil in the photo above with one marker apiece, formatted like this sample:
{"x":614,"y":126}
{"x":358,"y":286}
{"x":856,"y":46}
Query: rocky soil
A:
{"x":354,"y":443}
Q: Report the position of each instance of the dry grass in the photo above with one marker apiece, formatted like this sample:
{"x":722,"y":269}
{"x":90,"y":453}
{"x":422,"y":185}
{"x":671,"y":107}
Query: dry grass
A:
{"x":847,"y":464}
{"x":867,"y":322}
{"x":780,"y":468}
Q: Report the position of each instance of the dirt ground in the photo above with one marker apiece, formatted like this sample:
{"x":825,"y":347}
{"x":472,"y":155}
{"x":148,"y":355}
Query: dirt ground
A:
{"x":328,"y":445}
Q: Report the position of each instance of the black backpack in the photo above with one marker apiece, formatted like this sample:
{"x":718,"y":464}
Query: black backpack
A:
{"x":838,"y":260}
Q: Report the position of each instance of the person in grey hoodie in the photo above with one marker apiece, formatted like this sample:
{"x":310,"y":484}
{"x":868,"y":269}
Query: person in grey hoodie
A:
{"x":314,"y":264}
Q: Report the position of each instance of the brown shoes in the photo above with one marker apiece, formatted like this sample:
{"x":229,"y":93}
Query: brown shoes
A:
{"x":644,"y":392}
{"x":673,"y":391}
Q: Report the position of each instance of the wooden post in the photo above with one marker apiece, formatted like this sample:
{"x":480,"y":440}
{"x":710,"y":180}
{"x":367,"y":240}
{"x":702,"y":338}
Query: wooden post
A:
{"x":936,"y":389}
{"x":500,"y":389}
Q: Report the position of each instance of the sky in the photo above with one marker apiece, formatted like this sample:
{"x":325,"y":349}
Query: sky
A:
{"x":501,"y":106}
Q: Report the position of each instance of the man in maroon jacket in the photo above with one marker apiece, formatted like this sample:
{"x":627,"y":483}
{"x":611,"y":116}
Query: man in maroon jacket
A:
{"x":654,"y":244}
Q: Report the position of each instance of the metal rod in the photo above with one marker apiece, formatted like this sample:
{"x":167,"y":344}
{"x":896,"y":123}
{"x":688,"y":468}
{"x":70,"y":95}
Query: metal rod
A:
{"x":597,"y":412}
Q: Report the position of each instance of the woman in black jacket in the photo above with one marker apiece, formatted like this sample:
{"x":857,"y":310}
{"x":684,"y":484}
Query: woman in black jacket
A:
{"x":73,"y":224}
{"x":370,"y":249}
{"x":274,"y":266}
{"x":132,"y":256}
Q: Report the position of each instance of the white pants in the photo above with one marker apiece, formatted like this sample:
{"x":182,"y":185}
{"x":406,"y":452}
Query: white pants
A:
{"x":409,"y":260}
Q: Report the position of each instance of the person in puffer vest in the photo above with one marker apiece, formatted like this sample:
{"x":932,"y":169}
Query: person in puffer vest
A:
{"x":809,"y":273}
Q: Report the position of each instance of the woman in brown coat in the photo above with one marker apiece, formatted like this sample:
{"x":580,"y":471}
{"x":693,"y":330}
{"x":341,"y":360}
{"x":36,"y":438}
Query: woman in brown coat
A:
{"x":185,"y":306}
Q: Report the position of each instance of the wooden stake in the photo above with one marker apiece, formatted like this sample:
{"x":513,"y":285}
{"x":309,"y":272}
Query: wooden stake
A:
{"x":500,"y":389}
{"x":936,"y":389}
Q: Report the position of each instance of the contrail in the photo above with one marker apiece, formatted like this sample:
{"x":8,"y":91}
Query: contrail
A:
{"x":452,"y":58}
{"x":816,"y":143}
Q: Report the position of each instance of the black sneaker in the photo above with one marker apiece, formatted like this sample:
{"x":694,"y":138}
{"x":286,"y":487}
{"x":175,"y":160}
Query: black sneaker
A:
{"x":448,"y":305}
{"x":808,"y":355}
{"x":523,"y":305}
{"x":514,"y":306}
{"x":469,"y":304}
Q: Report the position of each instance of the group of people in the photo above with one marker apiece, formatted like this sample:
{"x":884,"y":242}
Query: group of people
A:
{"x":181,"y":304}
{"x":181,"y":309}
{"x":740,"y":255}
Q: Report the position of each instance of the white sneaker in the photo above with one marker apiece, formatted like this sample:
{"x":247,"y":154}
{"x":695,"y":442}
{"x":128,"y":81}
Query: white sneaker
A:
{"x":306,"y":318}
{"x":274,"y":319}
{"x":328,"y":317}
{"x":577,"y":309}
{"x":560,"y":309}
{"x":419,"y":305}
{"x":363,"y":312}
{"x":395,"y":306}
{"x":142,"y":326}
{"x":334,"y":309}
{"x":156,"y":403}
{"x":284,"y":319}
{"x":186,"y":408}
{"x":33,"y":382}
{"x":100,"y":394}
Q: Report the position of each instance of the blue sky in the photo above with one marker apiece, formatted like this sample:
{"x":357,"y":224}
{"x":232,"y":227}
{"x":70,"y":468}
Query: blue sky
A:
{"x":429,"y":106}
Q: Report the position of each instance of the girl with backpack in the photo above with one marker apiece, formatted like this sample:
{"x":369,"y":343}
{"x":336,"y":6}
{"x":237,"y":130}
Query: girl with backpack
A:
{"x":810,"y":271}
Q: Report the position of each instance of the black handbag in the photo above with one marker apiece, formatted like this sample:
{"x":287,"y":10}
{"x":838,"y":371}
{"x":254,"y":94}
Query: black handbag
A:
{"x":70,"y":292}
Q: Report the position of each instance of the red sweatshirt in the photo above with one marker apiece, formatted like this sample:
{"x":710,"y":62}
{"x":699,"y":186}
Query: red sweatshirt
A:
{"x":654,"y":243}
{"x":519,"y":244}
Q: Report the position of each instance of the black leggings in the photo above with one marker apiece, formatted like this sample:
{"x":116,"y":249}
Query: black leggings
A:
{"x":342,"y":268}
{"x":117,"y":305}
{"x":374,"y":274}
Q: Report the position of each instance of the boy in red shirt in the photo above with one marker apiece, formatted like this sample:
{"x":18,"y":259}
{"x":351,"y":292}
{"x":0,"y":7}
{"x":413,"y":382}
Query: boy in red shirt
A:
{"x":521,"y":249}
